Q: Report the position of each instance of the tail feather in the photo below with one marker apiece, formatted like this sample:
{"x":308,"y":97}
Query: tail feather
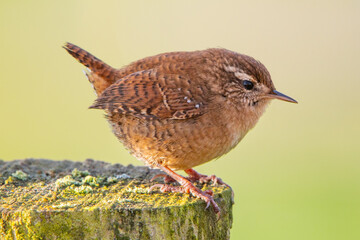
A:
{"x":100,"y":75}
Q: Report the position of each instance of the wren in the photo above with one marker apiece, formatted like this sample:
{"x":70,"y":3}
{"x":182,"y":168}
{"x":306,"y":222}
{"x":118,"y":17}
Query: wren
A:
{"x":177,"y":110}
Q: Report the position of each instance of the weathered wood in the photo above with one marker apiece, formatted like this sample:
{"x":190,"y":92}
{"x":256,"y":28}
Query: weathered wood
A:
{"x":44,"y":199}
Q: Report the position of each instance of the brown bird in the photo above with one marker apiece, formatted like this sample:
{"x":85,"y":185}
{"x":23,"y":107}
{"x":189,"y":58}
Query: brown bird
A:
{"x":177,"y":110}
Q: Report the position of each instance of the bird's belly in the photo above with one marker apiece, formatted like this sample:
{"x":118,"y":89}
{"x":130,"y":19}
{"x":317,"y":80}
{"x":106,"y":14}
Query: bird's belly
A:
{"x":178,"y":144}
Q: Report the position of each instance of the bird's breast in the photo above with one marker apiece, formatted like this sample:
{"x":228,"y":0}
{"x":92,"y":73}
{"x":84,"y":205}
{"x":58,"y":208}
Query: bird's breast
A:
{"x":182,"y":144}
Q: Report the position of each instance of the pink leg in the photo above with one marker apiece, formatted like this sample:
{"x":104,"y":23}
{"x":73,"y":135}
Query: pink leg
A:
{"x":186,"y":187}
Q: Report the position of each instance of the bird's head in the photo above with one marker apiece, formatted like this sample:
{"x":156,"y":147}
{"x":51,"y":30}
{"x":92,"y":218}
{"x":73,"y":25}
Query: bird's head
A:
{"x":248,"y":83}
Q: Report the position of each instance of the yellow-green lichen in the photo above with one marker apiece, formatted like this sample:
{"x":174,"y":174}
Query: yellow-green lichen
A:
{"x":20,"y":175}
{"x":89,"y":207}
{"x":78,"y":174}
{"x":92,"y":181}
{"x":64,"y":205}
{"x":79,"y":178}
{"x":83,"y":190}
{"x":111,"y":180}
{"x":68,"y":180}
{"x":10,"y":180}
{"x":138,"y":189}
{"x":113,"y":212}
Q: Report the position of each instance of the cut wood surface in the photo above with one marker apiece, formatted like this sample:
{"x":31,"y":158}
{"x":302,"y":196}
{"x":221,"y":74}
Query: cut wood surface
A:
{"x":45,"y":199}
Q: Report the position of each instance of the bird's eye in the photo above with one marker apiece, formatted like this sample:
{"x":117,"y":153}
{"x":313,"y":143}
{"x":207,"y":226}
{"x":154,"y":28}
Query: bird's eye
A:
{"x":248,"y":84}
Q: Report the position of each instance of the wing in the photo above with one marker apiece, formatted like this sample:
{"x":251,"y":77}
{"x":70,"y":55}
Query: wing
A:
{"x":149,"y":94}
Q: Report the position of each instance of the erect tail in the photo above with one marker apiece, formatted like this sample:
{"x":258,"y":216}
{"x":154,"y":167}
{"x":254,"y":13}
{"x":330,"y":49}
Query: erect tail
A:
{"x":101,"y":75}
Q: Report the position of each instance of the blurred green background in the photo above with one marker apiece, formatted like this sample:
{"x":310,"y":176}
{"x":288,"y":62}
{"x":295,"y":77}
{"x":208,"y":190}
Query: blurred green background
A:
{"x":295,"y":176}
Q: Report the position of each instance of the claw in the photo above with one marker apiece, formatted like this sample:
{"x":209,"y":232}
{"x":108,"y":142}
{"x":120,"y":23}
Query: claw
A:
{"x":167,"y":178}
{"x":218,"y":214}
{"x":207,"y":205}
{"x":155,"y":186}
{"x":158,"y":176}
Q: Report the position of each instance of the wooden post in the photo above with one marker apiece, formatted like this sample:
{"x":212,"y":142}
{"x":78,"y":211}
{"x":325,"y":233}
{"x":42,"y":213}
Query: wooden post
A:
{"x":44,"y":199}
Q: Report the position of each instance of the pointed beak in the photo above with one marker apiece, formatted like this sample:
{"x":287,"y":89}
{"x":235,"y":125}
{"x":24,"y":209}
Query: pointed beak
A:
{"x":278,"y":95}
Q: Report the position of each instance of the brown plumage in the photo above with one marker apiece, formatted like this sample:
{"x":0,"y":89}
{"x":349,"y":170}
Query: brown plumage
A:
{"x":178,"y":110}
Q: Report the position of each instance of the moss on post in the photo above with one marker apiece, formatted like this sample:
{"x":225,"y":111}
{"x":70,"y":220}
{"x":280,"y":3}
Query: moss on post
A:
{"x":43,"y":199}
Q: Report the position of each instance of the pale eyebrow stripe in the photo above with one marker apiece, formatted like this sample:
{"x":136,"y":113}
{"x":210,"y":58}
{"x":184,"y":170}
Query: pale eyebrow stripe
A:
{"x":240,"y":74}
{"x":231,"y":68}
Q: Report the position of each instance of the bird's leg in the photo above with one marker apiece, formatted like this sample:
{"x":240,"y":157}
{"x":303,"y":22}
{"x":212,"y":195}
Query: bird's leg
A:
{"x":186,"y":187}
{"x":195,"y":176}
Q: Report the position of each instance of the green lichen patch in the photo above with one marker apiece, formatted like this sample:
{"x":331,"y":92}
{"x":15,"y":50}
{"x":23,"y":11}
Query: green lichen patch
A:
{"x":86,"y":184}
{"x":20,"y":175}
{"x":79,"y":174}
{"x":83,"y":190}
{"x":95,"y":181}
{"x":92,"y":181}
{"x":66,"y":181}
{"x":111,"y":180}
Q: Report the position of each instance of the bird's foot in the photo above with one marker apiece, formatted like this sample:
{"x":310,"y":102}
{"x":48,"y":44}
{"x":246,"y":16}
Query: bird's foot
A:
{"x":194,"y":176}
{"x":186,"y":187}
